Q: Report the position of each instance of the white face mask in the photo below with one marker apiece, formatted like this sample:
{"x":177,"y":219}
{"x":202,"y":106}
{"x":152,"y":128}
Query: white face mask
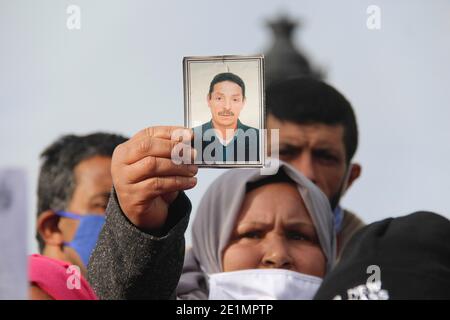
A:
{"x":262,"y":284}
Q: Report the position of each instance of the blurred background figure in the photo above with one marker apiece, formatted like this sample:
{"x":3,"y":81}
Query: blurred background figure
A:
{"x":319,"y":137}
{"x":283,"y":59}
{"x":73,"y":192}
{"x":13,"y":233}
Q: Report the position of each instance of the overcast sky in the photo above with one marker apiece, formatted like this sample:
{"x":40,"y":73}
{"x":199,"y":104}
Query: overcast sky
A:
{"x":123,"y":71}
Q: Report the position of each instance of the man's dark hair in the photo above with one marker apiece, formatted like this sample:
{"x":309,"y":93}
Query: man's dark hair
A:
{"x":56,"y":182}
{"x":227,"y":76}
{"x":309,"y":101}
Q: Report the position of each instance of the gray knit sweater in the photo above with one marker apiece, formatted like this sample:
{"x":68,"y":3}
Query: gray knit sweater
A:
{"x":128,"y":263}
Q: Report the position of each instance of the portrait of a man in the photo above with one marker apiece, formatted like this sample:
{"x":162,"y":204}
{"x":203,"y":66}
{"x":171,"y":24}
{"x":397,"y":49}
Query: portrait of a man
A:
{"x":224,"y":105}
{"x":225,"y":135}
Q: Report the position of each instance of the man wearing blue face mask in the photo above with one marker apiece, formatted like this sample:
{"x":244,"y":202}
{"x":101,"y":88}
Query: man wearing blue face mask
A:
{"x":73,"y":191}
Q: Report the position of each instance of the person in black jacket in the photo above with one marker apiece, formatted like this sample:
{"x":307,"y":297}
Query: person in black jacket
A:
{"x":404,"y":258}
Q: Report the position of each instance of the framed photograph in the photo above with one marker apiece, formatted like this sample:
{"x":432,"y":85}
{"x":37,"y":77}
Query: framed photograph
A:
{"x":224,"y":104}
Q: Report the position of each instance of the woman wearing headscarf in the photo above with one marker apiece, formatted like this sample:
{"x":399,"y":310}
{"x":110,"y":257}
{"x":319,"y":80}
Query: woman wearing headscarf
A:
{"x":259,"y":237}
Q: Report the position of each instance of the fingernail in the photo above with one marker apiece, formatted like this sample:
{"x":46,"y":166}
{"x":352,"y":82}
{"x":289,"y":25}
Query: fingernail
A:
{"x":193,"y":181}
{"x":193,"y":168}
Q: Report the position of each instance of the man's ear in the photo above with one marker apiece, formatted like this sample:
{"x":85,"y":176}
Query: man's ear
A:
{"x":355,"y":172}
{"x":47,"y":226}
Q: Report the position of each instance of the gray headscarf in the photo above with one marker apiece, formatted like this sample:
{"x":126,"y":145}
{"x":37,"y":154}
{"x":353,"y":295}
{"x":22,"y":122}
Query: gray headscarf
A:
{"x":216,"y":217}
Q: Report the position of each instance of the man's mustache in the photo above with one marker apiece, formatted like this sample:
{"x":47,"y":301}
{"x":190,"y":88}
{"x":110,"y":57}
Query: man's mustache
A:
{"x":226,"y":113}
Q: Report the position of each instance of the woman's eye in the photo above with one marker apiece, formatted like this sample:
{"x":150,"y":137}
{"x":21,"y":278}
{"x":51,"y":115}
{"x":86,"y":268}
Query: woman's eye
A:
{"x":252,"y":235}
{"x":294,"y":235}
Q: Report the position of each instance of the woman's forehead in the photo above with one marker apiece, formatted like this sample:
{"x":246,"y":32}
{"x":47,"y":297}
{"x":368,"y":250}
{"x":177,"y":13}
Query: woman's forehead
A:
{"x":269,"y":201}
{"x":275,"y":189}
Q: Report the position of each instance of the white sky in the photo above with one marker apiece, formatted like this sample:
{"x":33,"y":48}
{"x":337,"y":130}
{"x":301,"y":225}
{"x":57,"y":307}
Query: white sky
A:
{"x":123,"y":71}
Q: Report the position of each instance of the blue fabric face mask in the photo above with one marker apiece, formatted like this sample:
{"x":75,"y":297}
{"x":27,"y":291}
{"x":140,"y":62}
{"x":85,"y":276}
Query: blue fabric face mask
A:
{"x":87,"y":233}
